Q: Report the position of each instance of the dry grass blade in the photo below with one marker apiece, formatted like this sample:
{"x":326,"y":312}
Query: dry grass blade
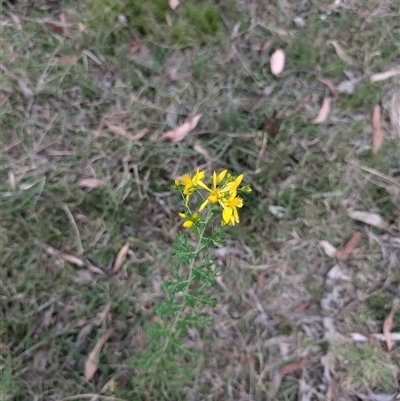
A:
{"x":178,"y":134}
{"x":387,"y":328}
{"x":94,"y":356}
{"x":376,"y":124}
{"x":91,"y":183}
{"x":120,"y":258}
{"x":372,"y":219}
{"x":324,"y":111}
{"x":277,"y":62}
{"x":340,"y":52}
{"x":330,"y":85}
{"x":350,"y":246}
{"x":382,"y":76}
{"x":293,"y":366}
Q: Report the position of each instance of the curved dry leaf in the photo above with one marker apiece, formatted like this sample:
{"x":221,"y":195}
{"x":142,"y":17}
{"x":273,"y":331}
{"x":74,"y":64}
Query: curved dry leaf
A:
{"x":91,"y":183}
{"x":324,"y":111}
{"x":27,"y":92}
{"x":293,"y":366}
{"x":67,"y":60}
{"x":384,"y":75}
{"x":277,"y":62}
{"x":376,"y":124}
{"x":198,"y":148}
{"x":93,"y":359}
{"x":372,"y":219}
{"x":350,"y":246}
{"x":178,"y":134}
{"x":120,"y":258}
{"x":329,"y":249}
{"x":341,"y":53}
{"x":330,"y":85}
{"x":139,"y":135}
{"x":117,"y":129}
{"x":173,"y":4}
{"x":387,"y":328}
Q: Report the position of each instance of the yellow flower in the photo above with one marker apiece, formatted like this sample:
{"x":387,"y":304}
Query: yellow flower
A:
{"x":230,"y":215}
{"x":218,"y":193}
{"x":192,"y":184}
{"x":190,"y":220}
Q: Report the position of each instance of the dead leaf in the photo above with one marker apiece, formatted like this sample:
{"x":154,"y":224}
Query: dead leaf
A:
{"x":173,"y":4}
{"x":117,"y":129}
{"x":330,"y":85}
{"x":55,"y":27}
{"x":277,"y":62}
{"x":302,"y":307}
{"x":260,"y":102}
{"x":376,"y":124}
{"x":27,"y":92}
{"x":341,"y":53}
{"x":265,"y":47}
{"x":273,"y":125}
{"x":45,"y":323}
{"x":393,"y":107}
{"x":120,"y":258}
{"x":372,"y":219}
{"x":324,"y":111}
{"x":168,"y":18}
{"x":384,"y":75}
{"x":91,"y":183}
{"x":228,"y":58}
{"x":178,"y":134}
{"x":139,"y":135}
{"x":93,"y":359}
{"x":198,"y":148}
{"x":237,"y":354}
{"x":63,"y":21}
{"x":298,"y":107}
{"x":67,"y":60}
{"x":262,"y":280}
{"x":387,"y":328}
{"x":329,"y":249}
{"x":72,"y":259}
{"x":293,"y":366}
{"x":350,"y":246}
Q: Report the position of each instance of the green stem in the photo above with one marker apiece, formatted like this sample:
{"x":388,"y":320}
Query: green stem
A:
{"x":189,"y":280}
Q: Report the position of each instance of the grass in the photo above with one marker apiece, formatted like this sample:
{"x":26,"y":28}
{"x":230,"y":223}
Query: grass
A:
{"x":155,"y":72}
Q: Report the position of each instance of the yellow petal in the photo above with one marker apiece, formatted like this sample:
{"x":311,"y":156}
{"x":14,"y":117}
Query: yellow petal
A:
{"x":203,"y":205}
{"x":236,"y":215}
{"x":183,"y":215}
{"x":202,"y":185}
{"x":226,"y":215}
{"x":188,"y":224}
{"x":221,"y":176}
{"x":238,"y":180}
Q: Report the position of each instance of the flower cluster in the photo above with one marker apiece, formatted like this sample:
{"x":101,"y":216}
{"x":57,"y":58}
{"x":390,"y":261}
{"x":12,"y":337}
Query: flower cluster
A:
{"x":222,"y":194}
